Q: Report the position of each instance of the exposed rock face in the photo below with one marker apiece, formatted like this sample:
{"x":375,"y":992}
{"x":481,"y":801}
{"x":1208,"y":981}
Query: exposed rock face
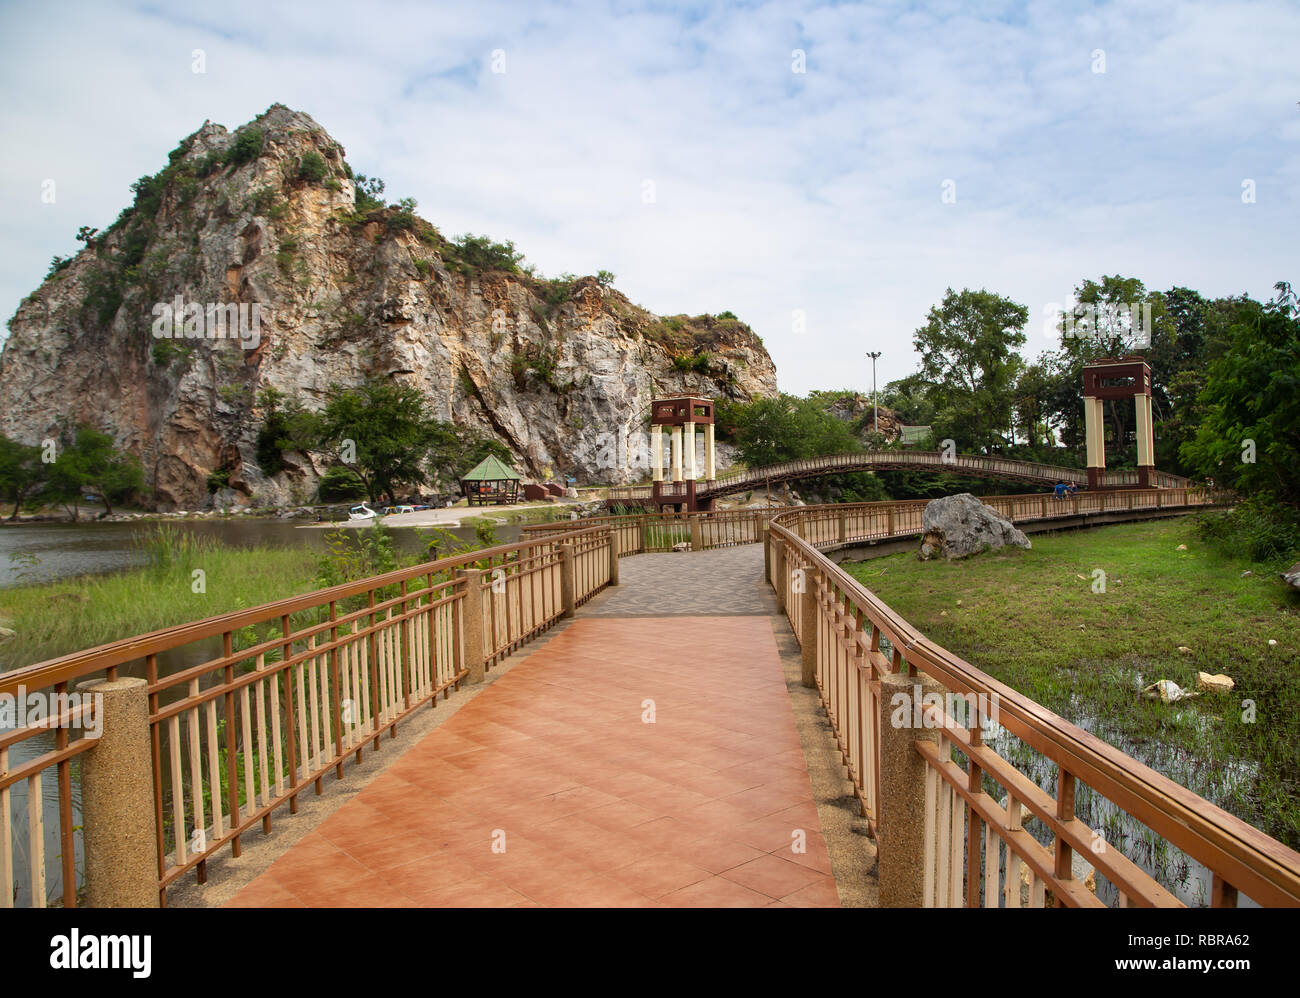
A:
{"x":855,"y":408}
{"x":562,"y":371}
{"x":1292,"y":575}
{"x":959,"y":526}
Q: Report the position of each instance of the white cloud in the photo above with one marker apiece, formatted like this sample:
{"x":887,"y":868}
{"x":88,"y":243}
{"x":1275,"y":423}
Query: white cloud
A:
{"x":775,"y":191}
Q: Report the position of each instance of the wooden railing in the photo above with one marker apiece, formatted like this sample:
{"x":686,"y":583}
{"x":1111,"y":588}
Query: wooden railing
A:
{"x":261,"y":704}
{"x":977,"y":852}
{"x":748,"y":479}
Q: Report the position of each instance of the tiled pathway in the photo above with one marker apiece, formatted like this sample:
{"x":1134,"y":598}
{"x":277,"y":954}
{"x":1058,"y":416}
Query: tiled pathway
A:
{"x":625,"y":762}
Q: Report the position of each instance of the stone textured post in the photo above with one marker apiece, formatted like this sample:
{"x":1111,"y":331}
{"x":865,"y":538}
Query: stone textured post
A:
{"x":808,"y":627}
{"x":613,"y":556}
{"x":901,"y":826}
{"x":120,"y":835}
{"x":697,"y":534}
{"x":568,"y":586}
{"x":473,"y":638}
{"x":657,"y":453}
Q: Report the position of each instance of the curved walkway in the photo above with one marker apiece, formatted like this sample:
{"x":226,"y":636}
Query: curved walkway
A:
{"x":627,"y":761}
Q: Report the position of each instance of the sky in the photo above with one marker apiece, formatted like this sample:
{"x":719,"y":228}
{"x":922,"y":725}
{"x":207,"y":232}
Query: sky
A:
{"x":824,"y":171}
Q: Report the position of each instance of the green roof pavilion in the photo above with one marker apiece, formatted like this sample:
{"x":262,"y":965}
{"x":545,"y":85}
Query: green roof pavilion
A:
{"x":490,"y":482}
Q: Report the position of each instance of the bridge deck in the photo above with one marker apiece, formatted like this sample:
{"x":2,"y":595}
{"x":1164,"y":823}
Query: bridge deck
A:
{"x":594,"y":806}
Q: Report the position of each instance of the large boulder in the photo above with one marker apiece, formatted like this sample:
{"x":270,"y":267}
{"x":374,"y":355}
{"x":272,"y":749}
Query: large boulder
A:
{"x":959,"y":526}
{"x":1292,"y":575}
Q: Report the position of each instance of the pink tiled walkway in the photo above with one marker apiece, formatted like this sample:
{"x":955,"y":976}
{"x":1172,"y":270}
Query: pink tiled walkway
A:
{"x":550,"y":787}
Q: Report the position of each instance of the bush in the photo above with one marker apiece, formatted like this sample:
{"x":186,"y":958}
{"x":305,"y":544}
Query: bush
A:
{"x":727,"y":315}
{"x":481,"y":253}
{"x":218,"y":480}
{"x":1259,"y":528}
{"x":339,"y":484}
{"x":312,"y":167}
{"x":246,"y":147}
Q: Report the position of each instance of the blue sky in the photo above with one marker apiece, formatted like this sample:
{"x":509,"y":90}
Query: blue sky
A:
{"x":776,"y":192}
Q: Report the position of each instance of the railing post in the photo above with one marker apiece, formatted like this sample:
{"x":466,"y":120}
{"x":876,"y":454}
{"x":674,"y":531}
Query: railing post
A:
{"x":809,"y":619}
{"x":697,"y":533}
{"x":778,"y":573}
{"x":766,"y":534}
{"x":891,"y":522}
{"x":568,"y":584}
{"x":844,"y":527}
{"x":613,"y":556}
{"x":475,"y":641}
{"x":117,"y":806}
{"x":900,"y":837}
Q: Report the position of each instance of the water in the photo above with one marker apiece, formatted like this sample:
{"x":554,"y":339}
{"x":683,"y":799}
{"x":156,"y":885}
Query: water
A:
{"x":45,"y":552}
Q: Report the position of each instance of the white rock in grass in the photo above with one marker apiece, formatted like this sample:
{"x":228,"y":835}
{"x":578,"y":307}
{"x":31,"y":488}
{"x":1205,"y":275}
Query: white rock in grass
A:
{"x":1272,"y":642}
{"x":1184,"y":649}
{"x":6,"y":633}
{"x":1181,"y":547}
{"x":1167,"y":691}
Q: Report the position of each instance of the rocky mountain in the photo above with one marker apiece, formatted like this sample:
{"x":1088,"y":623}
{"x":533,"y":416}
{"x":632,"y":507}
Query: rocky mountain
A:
{"x":257,"y":259}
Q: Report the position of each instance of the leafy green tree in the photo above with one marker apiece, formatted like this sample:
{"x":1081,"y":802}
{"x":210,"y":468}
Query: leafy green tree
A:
{"x":380,"y":430}
{"x":1249,"y":438}
{"x":92,"y":461}
{"x":969,"y":357}
{"x":785,"y":428}
{"x":21,"y":472}
{"x":286,"y":427}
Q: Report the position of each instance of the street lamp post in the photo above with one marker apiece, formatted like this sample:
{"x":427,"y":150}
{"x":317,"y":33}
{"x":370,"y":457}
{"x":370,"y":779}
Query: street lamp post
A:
{"x":875,"y":398}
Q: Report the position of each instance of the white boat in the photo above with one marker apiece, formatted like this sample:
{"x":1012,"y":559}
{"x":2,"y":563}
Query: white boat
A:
{"x":362,"y":512}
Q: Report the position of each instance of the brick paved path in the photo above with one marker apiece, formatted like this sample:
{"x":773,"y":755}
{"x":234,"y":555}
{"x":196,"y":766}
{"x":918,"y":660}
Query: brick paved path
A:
{"x":551,"y":787}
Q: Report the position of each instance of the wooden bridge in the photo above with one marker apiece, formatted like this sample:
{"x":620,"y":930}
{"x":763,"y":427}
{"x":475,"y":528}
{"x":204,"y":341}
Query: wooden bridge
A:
{"x":974,"y":466}
{"x":215,"y":728}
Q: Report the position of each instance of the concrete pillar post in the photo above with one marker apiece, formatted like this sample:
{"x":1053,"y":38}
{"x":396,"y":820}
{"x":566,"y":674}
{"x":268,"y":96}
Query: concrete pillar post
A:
{"x":1094,"y":425}
{"x":656,"y":453}
{"x":613,"y":556}
{"x":677,"y":453}
{"x":1146,"y":442}
{"x":808,"y":626}
{"x":900,"y":837}
{"x":697,"y":534}
{"x":117,"y":808}
{"x":688,"y":444}
{"x":473,"y":643}
{"x":710,"y":471}
{"x":568,"y":587}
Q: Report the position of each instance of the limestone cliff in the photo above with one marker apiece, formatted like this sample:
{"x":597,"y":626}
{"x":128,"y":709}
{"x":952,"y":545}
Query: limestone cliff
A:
{"x":347,"y":288}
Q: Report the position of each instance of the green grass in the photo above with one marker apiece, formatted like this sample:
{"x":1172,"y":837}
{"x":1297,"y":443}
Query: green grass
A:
{"x":1032,"y":620}
{"x":70,"y":614}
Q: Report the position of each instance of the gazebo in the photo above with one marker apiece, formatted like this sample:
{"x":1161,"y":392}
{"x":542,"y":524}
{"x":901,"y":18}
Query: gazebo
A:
{"x":490,"y":482}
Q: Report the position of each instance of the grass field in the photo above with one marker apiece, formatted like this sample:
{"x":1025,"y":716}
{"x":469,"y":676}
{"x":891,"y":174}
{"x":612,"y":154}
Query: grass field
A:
{"x":1032,"y":620}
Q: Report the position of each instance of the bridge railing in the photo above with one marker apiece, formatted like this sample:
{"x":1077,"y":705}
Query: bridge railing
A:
{"x":248,"y":710}
{"x":958,"y":723}
{"x":989,"y":466}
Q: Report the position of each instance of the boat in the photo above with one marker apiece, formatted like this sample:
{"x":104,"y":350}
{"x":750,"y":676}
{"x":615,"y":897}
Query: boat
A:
{"x":362,"y":512}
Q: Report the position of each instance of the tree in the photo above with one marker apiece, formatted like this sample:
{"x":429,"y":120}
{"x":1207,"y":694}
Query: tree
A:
{"x":21,"y":472}
{"x":380,"y":430}
{"x":785,"y":428}
{"x":91,"y":461}
{"x":1249,"y":438}
{"x":969,"y":358}
{"x":287,"y":427}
